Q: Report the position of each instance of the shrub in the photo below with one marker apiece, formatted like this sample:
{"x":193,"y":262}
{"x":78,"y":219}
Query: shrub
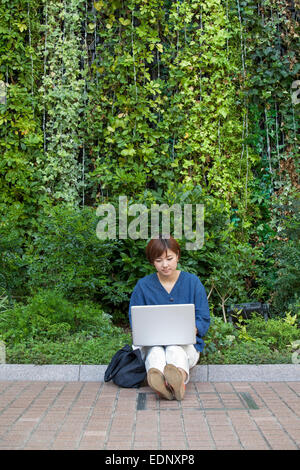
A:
{"x":277,"y":333}
{"x":75,"y":349}
{"x":247,"y":353}
{"x":252,"y":341}
{"x":13,"y":274}
{"x":49,"y":316}
{"x":50,"y":329}
{"x":286,"y":285}
{"x":66,"y":254}
{"x":220,"y":335}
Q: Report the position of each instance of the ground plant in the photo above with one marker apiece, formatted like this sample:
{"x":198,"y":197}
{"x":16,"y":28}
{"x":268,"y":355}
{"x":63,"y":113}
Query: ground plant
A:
{"x":164,"y":102}
{"x":49,"y":329}
{"x":52,"y":330}
{"x":252,"y":341}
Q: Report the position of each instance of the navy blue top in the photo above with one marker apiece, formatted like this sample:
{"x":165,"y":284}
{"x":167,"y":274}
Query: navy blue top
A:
{"x":188,"y":289}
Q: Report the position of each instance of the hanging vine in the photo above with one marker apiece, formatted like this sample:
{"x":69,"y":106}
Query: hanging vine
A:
{"x":20,"y":132}
{"x":270,"y":31}
{"x":163,"y":106}
{"x":62,"y":93}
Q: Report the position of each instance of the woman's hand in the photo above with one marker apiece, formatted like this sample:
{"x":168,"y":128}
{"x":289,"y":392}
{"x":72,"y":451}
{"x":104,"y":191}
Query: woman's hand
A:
{"x":196,"y":331}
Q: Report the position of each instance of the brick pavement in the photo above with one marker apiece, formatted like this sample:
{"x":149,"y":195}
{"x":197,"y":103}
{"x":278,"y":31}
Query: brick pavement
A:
{"x":97,"y":415}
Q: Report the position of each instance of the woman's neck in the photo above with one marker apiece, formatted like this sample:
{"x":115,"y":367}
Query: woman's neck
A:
{"x":168,"y":279}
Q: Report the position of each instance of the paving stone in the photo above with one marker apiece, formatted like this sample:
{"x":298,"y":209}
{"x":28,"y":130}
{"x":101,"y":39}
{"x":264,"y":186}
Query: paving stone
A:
{"x":100,"y":416}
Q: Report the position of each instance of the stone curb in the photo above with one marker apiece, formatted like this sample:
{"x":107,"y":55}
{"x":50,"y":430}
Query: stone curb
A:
{"x":200,"y":373}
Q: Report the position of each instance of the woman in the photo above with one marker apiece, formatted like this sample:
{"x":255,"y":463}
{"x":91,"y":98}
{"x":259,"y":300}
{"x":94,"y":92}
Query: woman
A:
{"x":168,"y":366}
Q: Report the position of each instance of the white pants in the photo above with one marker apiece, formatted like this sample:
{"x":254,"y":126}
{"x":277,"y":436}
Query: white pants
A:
{"x":184,"y":357}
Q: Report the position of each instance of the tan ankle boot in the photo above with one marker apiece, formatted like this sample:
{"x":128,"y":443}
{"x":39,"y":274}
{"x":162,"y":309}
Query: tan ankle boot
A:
{"x":157,"y":382}
{"x":175,"y":380}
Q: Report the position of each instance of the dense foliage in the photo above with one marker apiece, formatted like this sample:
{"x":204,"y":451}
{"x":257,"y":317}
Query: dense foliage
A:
{"x":252,"y":341}
{"x":164,"y":102}
{"x":52,"y":330}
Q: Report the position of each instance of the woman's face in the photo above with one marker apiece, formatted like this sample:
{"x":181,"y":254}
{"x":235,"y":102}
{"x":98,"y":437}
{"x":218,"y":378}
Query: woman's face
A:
{"x":166,"y":264}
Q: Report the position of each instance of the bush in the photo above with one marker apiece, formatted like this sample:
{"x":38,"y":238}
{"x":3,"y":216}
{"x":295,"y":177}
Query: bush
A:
{"x":247,"y":353}
{"x":75,"y":349}
{"x":277,"y":333}
{"x":51,"y":329}
{"x":286,"y":286}
{"x":13,"y":269}
{"x":252,"y":341}
{"x":66,"y":255}
{"x":49,"y":315}
{"x":287,"y":283}
{"x":220,"y":335}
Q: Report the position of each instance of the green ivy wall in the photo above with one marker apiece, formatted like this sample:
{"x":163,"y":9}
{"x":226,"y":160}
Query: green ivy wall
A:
{"x":115,"y":97}
{"x":151,"y":99}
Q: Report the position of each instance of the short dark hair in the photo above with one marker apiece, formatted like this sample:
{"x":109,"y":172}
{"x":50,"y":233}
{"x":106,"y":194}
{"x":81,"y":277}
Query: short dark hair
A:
{"x":157,"y":246}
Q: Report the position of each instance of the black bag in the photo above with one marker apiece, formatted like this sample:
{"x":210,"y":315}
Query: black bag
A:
{"x":127,"y":368}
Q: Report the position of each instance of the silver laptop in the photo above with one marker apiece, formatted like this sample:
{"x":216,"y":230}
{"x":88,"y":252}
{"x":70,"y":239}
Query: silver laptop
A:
{"x":154,"y":325}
